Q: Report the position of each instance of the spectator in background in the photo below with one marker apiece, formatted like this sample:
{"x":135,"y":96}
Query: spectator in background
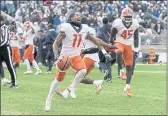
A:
{"x":158,"y":27}
{"x":156,"y":11}
{"x":150,"y":9}
{"x":10,"y":8}
{"x":62,"y":18}
{"x":49,"y":40}
{"x":42,"y":50}
{"x":56,"y":22}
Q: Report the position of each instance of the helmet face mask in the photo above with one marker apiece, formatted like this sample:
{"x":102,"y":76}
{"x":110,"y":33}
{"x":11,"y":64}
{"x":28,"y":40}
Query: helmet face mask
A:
{"x":127,"y":19}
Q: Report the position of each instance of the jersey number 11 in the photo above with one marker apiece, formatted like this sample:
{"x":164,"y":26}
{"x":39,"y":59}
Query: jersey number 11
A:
{"x":77,"y":40}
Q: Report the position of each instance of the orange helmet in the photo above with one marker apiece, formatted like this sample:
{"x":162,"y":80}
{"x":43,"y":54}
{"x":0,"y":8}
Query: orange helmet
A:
{"x":63,"y":63}
{"x":127,"y":15}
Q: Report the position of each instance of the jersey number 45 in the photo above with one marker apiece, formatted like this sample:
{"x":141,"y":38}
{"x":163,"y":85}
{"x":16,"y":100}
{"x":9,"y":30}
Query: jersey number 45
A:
{"x":126,"y":34}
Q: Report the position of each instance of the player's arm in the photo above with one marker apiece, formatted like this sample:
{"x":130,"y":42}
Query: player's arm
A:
{"x":57,"y":42}
{"x":113,"y":35}
{"x":136,"y":38}
{"x":98,"y":41}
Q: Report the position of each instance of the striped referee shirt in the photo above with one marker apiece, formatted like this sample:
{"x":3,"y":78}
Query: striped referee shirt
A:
{"x":4,"y":35}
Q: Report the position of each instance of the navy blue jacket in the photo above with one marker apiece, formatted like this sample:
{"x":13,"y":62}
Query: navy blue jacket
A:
{"x":104,"y":33}
{"x":50,"y":38}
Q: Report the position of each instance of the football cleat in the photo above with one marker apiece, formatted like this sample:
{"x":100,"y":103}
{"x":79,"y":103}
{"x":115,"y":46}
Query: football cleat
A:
{"x":27,"y":72}
{"x":109,"y":80}
{"x":48,"y":104}
{"x":64,"y":94}
{"x":128,"y":91}
{"x":5,"y":81}
{"x":72,"y":93}
{"x":13,"y":86}
{"x":99,"y":84}
{"x":38,"y":72}
{"x":123,"y":75}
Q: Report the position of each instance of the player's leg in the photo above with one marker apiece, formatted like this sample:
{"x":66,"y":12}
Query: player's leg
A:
{"x":119,"y":53}
{"x":89,"y":66}
{"x":31,"y":58}
{"x":13,"y":54}
{"x":135,"y":55}
{"x":17,"y":57}
{"x":128,"y":60}
{"x":50,"y":59}
{"x":28,"y":51}
{"x":59,"y":78}
{"x":77,"y":64}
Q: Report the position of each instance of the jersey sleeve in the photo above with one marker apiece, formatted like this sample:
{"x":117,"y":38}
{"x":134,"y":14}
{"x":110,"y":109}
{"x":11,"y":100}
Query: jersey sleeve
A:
{"x":92,"y":31}
{"x":116,"y":23}
{"x":63,"y":27}
{"x":136,"y":24}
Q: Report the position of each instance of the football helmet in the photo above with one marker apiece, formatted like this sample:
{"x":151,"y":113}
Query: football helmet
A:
{"x":127,"y":15}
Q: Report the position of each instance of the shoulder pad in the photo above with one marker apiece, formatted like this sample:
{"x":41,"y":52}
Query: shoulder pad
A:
{"x":135,"y":23}
{"x":63,"y":27}
{"x":117,"y":22}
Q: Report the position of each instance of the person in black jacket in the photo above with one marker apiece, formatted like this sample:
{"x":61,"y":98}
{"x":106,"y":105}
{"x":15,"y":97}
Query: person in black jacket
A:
{"x":49,"y":40}
{"x":105,"y":65}
{"x":42,"y":49}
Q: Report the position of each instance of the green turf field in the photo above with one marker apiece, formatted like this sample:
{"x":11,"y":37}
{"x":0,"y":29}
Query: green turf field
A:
{"x":148,"y":95}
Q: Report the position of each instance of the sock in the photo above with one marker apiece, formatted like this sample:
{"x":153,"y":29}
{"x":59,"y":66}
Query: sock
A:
{"x":127,"y":86}
{"x":95,"y":82}
{"x":128,"y":74}
{"x":35,"y":65}
{"x":121,"y":70}
{"x":78,"y":77}
{"x":53,"y":87}
{"x":27,"y":64}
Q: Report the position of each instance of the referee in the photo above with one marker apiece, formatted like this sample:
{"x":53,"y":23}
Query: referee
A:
{"x":5,"y":51}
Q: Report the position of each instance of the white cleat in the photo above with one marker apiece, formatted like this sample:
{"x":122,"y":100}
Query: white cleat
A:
{"x":48,"y":104}
{"x":38,"y":72}
{"x":27,"y":72}
{"x":65,"y":94}
{"x":72,"y":93}
{"x":99,"y":84}
{"x":5,"y":81}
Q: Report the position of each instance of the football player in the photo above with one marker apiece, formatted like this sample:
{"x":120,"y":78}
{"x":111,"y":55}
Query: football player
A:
{"x":71,"y":35}
{"x":89,"y":59}
{"x":125,"y":29}
{"x":28,"y":36}
{"x":14,"y":42}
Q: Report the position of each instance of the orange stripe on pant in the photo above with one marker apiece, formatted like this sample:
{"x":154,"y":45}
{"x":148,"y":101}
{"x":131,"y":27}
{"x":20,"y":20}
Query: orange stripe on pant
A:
{"x":16,"y":54}
{"x":77,"y":64}
{"x":127,"y":53}
{"x":28,"y":53}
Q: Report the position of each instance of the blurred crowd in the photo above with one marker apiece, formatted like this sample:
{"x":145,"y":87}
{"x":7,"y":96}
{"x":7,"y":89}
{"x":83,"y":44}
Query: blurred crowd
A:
{"x":47,"y":15}
{"x":55,"y":12}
